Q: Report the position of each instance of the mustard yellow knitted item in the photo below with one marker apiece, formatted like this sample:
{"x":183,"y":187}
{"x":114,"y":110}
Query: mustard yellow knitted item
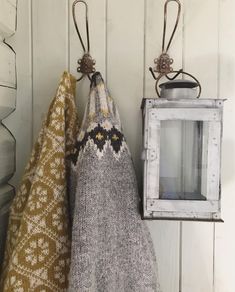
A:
{"x":37,"y":255}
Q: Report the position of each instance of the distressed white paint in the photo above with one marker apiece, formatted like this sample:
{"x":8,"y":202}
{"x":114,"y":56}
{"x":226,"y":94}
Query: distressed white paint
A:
{"x":191,"y":208}
{"x":191,"y":114}
{"x":125,"y":38}
{"x":156,"y":207}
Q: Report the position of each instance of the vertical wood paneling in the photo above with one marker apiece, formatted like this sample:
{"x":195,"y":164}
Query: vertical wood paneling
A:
{"x":225,"y":235}
{"x":200,"y":59}
{"x":129,"y":52}
{"x":97,"y":28}
{"x":166,"y":235}
{"x":125,"y":59}
{"x":50,"y":53}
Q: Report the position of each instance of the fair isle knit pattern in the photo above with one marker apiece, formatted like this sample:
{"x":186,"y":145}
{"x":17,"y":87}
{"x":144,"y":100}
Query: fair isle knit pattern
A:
{"x":37,"y":256}
{"x":111,"y":246}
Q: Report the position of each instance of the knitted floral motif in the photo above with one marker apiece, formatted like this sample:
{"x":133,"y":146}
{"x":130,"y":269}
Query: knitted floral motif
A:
{"x":37,"y":256}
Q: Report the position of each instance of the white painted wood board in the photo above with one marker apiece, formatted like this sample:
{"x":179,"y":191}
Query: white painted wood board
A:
{"x":186,"y":114}
{"x":200,"y":58}
{"x":182,"y":206}
{"x":125,"y":65}
{"x":224,"y":255}
{"x":166,"y":232}
{"x":8,"y":66}
{"x":7,"y":101}
{"x":7,"y":18}
{"x":7,"y":155}
{"x":50,"y":54}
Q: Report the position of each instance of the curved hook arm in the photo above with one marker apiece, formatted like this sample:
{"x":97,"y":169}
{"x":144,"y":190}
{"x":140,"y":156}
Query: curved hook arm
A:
{"x":87,"y":25}
{"x":165,"y":22}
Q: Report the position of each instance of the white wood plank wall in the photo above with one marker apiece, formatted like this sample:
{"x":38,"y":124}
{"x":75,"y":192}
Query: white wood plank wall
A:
{"x":126,"y":36}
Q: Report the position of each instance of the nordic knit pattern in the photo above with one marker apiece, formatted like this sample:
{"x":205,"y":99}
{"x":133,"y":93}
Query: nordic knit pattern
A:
{"x":37,"y":256}
{"x":111,"y":246}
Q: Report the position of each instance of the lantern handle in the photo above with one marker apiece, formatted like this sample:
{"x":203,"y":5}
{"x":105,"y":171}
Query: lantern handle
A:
{"x":177,"y":73}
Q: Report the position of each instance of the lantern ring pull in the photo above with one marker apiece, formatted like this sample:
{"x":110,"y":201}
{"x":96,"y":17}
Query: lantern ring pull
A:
{"x":177,"y":73}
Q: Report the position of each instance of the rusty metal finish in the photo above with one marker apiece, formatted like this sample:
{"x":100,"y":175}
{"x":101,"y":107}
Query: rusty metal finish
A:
{"x":163,"y":64}
{"x":86,"y":64}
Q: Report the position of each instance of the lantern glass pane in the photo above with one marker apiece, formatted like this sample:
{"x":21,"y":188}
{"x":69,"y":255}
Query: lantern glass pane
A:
{"x":183,"y":165}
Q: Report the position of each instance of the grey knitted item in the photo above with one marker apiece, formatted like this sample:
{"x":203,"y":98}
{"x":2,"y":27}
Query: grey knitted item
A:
{"x":111,"y":246}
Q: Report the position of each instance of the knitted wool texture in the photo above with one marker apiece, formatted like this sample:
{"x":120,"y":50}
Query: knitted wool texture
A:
{"x":37,"y":255}
{"x":111,"y":247}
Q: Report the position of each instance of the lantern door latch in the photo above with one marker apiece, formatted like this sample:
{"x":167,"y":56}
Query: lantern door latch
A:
{"x":149,"y":154}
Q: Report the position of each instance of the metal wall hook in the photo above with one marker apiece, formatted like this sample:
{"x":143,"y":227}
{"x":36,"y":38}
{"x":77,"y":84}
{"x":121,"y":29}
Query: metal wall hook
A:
{"x":163,"y":62}
{"x":86,"y":63}
{"x":165,"y":24}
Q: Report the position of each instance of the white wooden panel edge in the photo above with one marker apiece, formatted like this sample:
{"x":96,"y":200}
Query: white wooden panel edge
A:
{"x":186,"y":216}
{"x":8,"y":66}
{"x":182,"y":206}
{"x":214,"y":165}
{"x":7,"y":101}
{"x":188,"y":114}
{"x":7,"y":18}
{"x":185,"y":103}
{"x":152,"y":157}
{"x":166,"y":234}
{"x":200,"y":58}
{"x":7,"y":155}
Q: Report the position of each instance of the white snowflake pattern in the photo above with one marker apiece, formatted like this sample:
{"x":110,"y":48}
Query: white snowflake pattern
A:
{"x":57,"y":219}
{"x":20,"y":199}
{"x":56,"y":168}
{"x":41,"y":198}
{"x":59,"y":271}
{"x":37,"y":251}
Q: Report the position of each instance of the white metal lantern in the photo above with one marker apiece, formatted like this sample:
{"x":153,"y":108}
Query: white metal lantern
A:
{"x":182,"y":158}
